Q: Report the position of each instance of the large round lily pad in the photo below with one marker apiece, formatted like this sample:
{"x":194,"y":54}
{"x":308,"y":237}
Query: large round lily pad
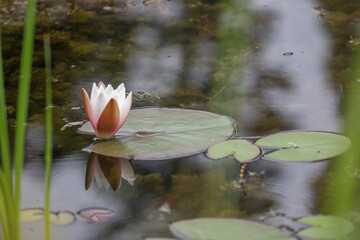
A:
{"x":325,"y":227}
{"x":242,"y":150}
{"x":225,"y":229}
{"x":164,"y":133}
{"x":304,"y":146}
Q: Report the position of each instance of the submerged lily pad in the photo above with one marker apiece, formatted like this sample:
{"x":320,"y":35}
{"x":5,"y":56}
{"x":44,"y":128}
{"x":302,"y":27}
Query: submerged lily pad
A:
{"x":325,"y":227}
{"x":31,"y":214}
{"x":225,"y":229}
{"x":164,"y":133}
{"x":241,"y":149}
{"x":62,"y":218}
{"x":304,"y":146}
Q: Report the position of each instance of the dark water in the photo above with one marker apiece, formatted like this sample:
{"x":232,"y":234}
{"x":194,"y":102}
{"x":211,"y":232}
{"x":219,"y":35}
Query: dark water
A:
{"x":271,"y":65}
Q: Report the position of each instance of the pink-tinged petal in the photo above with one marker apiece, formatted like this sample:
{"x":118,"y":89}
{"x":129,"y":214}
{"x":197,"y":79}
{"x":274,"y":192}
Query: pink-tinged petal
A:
{"x":101,"y":84}
{"x":89,"y":111}
{"x":125,"y":108}
{"x":108,"y":123}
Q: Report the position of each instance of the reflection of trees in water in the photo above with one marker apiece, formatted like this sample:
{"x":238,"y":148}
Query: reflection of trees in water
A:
{"x":288,"y":75}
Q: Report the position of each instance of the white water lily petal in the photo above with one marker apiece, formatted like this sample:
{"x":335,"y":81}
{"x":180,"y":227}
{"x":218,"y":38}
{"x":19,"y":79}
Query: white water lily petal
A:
{"x":109,"y":89}
{"x":125,"y":108}
{"x":114,"y":95}
{"x":100,"y":104}
{"x":120,"y":87}
{"x":100,"y":179}
{"x":121,"y":97}
{"x":94,"y":94}
{"x":101,"y":88}
{"x":127,"y":171}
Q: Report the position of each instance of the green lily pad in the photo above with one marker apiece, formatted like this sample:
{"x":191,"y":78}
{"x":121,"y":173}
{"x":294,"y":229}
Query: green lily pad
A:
{"x":31,"y":214}
{"x":325,"y":227}
{"x":242,"y":150}
{"x":225,"y":229}
{"x":164,"y":133}
{"x":304,"y":146}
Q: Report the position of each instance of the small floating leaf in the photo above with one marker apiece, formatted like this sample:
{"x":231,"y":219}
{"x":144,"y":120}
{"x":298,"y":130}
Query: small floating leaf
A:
{"x":241,"y":149}
{"x":62,"y":218}
{"x":95,"y":214}
{"x":304,"y":146}
{"x":325,"y":227}
{"x":31,"y":214}
{"x":225,"y":229}
{"x":164,"y":133}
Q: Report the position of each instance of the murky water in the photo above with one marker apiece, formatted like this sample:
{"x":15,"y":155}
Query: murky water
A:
{"x":270,"y":64}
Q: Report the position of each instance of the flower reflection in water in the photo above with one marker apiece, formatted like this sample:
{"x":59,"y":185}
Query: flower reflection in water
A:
{"x":108,"y":171}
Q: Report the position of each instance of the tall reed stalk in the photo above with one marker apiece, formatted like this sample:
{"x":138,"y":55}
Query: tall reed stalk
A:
{"x":9,"y":198}
{"x":6,"y":199}
{"x":48,"y":143}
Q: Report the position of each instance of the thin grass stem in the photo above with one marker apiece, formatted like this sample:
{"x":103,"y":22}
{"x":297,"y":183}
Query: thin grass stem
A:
{"x":49,"y":134}
{"x":4,"y":211}
{"x":4,"y":136}
{"x":9,"y":203}
{"x":22,"y":105}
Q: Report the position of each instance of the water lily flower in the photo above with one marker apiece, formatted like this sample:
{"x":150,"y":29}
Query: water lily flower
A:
{"x":107,"y":108}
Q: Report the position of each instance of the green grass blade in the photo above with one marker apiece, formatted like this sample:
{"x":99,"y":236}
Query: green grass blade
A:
{"x":3,"y":209}
{"x":48,"y":143}
{"x":6,"y":191}
{"x":6,"y":207}
{"x":4,"y":138}
{"x":22,"y":105}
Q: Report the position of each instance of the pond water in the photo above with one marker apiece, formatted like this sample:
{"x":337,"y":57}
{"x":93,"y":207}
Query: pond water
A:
{"x":271,"y":65}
